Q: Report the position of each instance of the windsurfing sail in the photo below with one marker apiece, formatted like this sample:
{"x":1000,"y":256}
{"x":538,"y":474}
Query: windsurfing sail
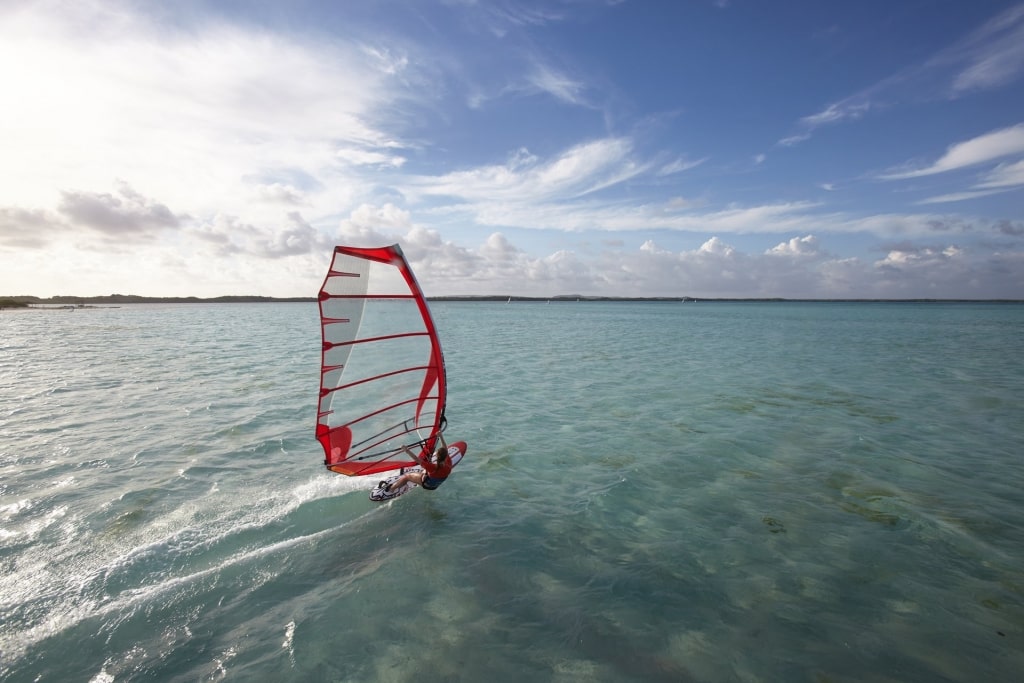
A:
{"x":382,"y":378}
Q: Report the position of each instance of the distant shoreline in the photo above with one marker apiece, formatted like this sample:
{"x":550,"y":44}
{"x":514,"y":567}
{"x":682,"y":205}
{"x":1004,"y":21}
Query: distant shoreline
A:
{"x":23,"y":302}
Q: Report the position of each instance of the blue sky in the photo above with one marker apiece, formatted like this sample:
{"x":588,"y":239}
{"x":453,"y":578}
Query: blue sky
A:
{"x":711,"y":148}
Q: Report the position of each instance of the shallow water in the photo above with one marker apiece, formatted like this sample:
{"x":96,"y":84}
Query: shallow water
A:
{"x":676,"y":492}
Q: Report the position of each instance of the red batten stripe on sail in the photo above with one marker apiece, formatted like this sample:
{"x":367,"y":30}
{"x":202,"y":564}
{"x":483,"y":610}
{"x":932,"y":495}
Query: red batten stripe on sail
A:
{"x":324,"y":295}
{"x":384,"y":410}
{"x":326,"y":391}
{"x":354,"y":455}
{"x":331,"y":345}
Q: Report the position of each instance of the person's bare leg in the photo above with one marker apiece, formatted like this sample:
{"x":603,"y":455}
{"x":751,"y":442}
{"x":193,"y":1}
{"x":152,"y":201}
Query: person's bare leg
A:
{"x":414,"y":477}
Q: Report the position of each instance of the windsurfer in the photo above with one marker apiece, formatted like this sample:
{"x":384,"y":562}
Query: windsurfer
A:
{"x":435,"y":472}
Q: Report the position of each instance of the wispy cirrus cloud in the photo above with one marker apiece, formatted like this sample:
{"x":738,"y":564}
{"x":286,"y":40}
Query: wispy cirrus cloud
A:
{"x":680,"y":165}
{"x":988,"y":57}
{"x":562,"y":87}
{"x":1004,"y":176}
{"x":958,"y":196}
{"x":977,"y":151}
{"x":984,"y":148}
{"x":991,"y":56}
{"x":525,"y":179}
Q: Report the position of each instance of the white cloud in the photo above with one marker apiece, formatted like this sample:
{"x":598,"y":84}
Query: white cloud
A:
{"x":127,"y":215}
{"x":680,"y":165}
{"x":579,"y":170}
{"x":546,"y":79}
{"x":984,"y":148}
{"x":497,"y":248}
{"x":991,"y":56}
{"x":792,"y":140}
{"x":280,"y":193}
{"x":1004,"y":176}
{"x":716,"y":246}
{"x":363,"y":157}
{"x":221,"y":132}
{"x":385,"y":60}
{"x":797,"y":246}
{"x":187,"y":113}
{"x":959,"y":196}
{"x":368,"y":225}
{"x":292,"y":259}
{"x":229,"y":237}
{"x":994,"y":54}
{"x":28,"y":229}
{"x":297,"y":238}
{"x":849,"y":109}
{"x":980,"y":150}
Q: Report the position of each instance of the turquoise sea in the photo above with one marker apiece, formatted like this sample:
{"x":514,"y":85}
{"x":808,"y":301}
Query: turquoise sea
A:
{"x":653,"y":492}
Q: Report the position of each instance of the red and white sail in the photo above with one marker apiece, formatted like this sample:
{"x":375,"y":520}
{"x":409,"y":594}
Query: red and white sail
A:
{"x":382,"y":378}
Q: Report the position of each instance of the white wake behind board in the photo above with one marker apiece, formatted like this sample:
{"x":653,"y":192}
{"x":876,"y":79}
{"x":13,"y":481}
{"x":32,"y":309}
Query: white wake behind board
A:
{"x":379,"y":495}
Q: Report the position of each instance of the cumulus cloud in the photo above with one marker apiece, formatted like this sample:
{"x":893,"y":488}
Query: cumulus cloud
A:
{"x":797,"y":246}
{"x":294,"y":238}
{"x":498,"y":249}
{"x":28,"y":228}
{"x":225,"y":235}
{"x":279,"y":193}
{"x":717,"y":269}
{"x":798,"y":267}
{"x":929,"y":271}
{"x":367,"y":217}
{"x":126,"y":215}
{"x":228,"y":236}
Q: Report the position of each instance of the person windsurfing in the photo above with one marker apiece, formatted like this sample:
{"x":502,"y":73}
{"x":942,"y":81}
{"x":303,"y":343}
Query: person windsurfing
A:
{"x":435,"y":472}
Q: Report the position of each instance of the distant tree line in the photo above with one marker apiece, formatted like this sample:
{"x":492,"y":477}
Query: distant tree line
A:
{"x":118,"y":299}
{"x":135,"y":299}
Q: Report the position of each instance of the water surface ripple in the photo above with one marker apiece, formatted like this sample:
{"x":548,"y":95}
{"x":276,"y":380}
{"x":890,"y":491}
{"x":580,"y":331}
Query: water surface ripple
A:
{"x":653,"y":492}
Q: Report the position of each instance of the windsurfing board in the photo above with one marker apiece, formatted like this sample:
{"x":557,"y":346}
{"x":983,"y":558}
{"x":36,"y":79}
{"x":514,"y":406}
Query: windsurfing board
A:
{"x":379,"y":495}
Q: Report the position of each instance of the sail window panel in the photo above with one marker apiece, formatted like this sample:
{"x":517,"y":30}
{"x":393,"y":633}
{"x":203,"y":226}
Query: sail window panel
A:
{"x":405,"y":392}
{"x":354,"y":276}
{"x":367,"y":319}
